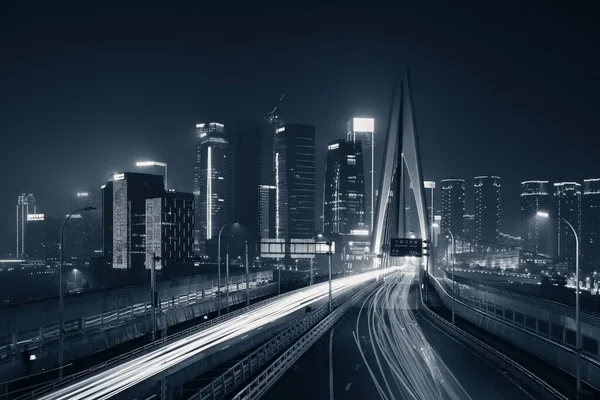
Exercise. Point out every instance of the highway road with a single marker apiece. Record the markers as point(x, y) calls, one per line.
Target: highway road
point(122, 377)
point(386, 348)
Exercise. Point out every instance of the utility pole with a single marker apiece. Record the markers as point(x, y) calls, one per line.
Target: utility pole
point(227, 279)
point(330, 296)
point(247, 277)
point(153, 296)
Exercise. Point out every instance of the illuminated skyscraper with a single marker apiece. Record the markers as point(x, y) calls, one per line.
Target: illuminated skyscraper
point(487, 208)
point(295, 181)
point(430, 199)
point(25, 205)
point(535, 232)
point(567, 196)
point(363, 130)
point(83, 235)
point(469, 226)
point(590, 225)
point(344, 194)
point(211, 183)
point(453, 206)
point(35, 244)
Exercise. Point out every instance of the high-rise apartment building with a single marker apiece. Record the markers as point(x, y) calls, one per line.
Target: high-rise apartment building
point(295, 181)
point(487, 208)
point(453, 206)
point(26, 205)
point(469, 226)
point(267, 211)
point(212, 184)
point(567, 196)
point(430, 199)
point(535, 232)
point(590, 225)
point(363, 130)
point(344, 194)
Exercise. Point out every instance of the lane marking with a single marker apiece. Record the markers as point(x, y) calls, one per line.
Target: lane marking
point(357, 367)
point(331, 364)
point(244, 337)
point(225, 347)
point(348, 386)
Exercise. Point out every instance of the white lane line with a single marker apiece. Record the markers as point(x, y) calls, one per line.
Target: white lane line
point(244, 337)
point(357, 367)
point(225, 347)
point(331, 364)
point(348, 386)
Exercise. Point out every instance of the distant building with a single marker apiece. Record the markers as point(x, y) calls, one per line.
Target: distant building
point(169, 229)
point(437, 223)
point(469, 226)
point(535, 232)
point(83, 234)
point(567, 196)
point(590, 225)
point(267, 211)
point(212, 184)
point(344, 194)
point(124, 217)
point(363, 130)
point(295, 181)
point(430, 199)
point(26, 205)
point(35, 245)
point(453, 206)
point(487, 208)
point(509, 240)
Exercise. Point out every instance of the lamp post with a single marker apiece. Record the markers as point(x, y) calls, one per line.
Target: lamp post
point(154, 164)
point(75, 271)
point(330, 295)
point(453, 257)
point(544, 214)
point(61, 300)
point(219, 268)
point(312, 260)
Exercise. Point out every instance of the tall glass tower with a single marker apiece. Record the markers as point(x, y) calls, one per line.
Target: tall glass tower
point(487, 208)
point(25, 205)
point(363, 130)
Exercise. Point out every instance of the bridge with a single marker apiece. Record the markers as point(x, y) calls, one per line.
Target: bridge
point(407, 328)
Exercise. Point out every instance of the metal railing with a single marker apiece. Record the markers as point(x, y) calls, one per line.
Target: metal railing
point(266, 379)
point(518, 368)
point(254, 362)
point(59, 383)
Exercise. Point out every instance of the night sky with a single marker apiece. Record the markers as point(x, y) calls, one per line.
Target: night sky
point(510, 90)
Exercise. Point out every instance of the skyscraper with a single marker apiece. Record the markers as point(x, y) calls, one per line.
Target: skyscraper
point(35, 240)
point(211, 183)
point(84, 232)
point(453, 206)
point(344, 194)
point(469, 226)
point(25, 205)
point(567, 197)
point(590, 225)
point(295, 181)
point(363, 130)
point(267, 211)
point(430, 199)
point(487, 208)
point(535, 231)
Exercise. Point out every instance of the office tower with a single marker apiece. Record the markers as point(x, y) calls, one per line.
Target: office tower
point(211, 183)
point(124, 217)
point(295, 181)
point(535, 232)
point(363, 130)
point(469, 226)
point(344, 194)
point(567, 196)
point(244, 201)
point(437, 224)
point(25, 205)
point(487, 208)
point(453, 206)
point(267, 211)
point(84, 232)
point(35, 239)
point(590, 225)
point(169, 229)
point(430, 199)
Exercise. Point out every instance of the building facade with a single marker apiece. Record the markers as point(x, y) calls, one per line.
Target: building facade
point(35, 239)
point(535, 232)
point(295, 181)
point(487, 208)
point(469, 226)
point(453, 206)
point(344, 192)
point(267, 211)
point(567, 197)
point(84, 231)
point(26, 205)
point(363, 130)
point(590, 225)
point(211, 183)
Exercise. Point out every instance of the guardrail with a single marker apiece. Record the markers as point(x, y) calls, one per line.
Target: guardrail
point(518, 368)
point(59, 383)
point(251, 364)
point(262, 383)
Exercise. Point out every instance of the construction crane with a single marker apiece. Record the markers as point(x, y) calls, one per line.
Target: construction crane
point(272, 117)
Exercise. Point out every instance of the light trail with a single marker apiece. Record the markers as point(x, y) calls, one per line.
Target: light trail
point(400, 348)
point(122, 377)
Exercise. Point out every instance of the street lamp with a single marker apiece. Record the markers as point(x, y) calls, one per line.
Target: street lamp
point(453, 257)
point(61, 306)
point(219, 270)
point(75, 276)
point(543, 214)
point(153, 164)
point(312, 260)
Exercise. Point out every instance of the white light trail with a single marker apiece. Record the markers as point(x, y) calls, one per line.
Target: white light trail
point(121, 377)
